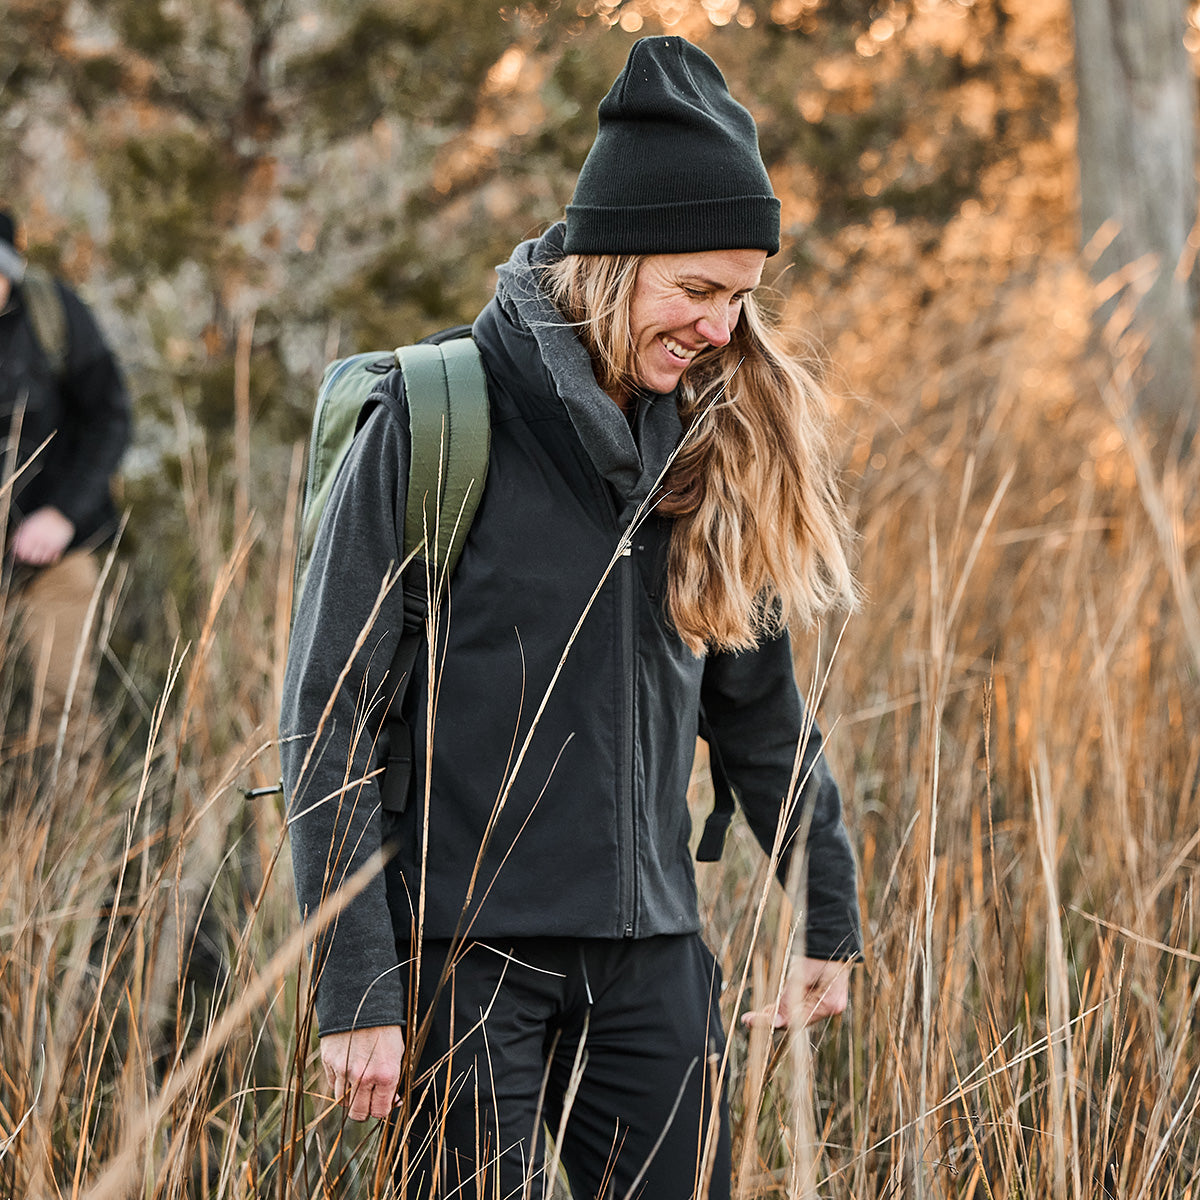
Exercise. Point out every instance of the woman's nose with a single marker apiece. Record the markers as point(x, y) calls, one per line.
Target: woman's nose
point(716, 326)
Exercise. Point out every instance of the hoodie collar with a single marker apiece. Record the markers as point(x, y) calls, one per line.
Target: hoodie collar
point(631, 465)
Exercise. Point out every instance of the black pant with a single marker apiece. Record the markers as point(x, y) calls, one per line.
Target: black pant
point(625, 1036)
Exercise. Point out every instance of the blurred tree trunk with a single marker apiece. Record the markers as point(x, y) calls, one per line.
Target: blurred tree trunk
point(1138, 187)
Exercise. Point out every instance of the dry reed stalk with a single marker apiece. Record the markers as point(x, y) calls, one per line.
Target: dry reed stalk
point(1051, 1031)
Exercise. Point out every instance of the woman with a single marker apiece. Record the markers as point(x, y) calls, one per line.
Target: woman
point(658, 469)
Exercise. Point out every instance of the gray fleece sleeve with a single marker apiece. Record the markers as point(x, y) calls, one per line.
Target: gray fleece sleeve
point(327, 745)
point(758, 719)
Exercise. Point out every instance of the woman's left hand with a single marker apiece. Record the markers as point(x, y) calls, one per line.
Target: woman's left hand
point(814, 989)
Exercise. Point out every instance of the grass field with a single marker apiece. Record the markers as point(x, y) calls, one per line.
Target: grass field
point(1013, 717)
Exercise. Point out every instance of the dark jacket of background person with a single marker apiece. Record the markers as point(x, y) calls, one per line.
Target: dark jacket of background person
point(86, 409)
point(593, 837)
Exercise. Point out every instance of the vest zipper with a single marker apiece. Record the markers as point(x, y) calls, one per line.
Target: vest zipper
point(628, 790)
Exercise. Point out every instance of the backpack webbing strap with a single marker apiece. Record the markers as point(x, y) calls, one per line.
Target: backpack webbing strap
point(447, 406)
point(48, 317)
point(450, 435)
point(397, 779)
point(712, 840)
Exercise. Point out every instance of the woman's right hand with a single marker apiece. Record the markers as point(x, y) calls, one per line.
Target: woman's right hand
point(363, 1068)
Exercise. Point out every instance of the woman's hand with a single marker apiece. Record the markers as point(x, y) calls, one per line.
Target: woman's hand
point(814, 989)
point(42, 537)
point(363, 1068)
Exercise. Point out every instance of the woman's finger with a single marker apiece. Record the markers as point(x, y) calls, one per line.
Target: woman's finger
point(381, 1103)
point(361, 1102)
point(764, 1016)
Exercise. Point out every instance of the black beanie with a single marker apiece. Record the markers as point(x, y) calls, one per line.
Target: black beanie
point(675, 166)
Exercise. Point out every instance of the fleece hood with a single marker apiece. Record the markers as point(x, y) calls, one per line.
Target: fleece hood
point(631, 457)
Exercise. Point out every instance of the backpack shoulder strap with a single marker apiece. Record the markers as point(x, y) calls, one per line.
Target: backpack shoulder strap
point(450, 430)
point(48, 316)
point(450, 434)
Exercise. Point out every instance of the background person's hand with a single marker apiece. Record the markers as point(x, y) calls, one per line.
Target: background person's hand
point(41, 537)
point(814, 989)
point(363, 1068)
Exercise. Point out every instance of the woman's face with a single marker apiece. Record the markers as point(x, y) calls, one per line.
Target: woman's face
point(684, 303)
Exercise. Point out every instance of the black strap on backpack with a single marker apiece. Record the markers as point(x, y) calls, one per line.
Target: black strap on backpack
point(712, 839)
point(397, 779)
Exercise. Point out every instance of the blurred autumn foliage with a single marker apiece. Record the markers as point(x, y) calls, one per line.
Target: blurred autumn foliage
point(348, 173)
point(345, 175)
point(248, 188)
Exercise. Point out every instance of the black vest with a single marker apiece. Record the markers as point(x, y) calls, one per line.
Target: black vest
point(591, 836)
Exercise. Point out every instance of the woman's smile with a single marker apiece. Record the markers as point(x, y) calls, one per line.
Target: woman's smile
point(678, 351)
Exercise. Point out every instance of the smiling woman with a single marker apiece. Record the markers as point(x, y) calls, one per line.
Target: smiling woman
point(659, 503)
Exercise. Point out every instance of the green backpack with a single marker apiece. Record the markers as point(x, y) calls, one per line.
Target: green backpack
point(450, 433)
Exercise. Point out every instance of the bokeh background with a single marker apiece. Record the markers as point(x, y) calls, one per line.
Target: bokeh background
point(246, 189)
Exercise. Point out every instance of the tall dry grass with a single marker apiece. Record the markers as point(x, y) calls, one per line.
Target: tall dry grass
point(1013, 718)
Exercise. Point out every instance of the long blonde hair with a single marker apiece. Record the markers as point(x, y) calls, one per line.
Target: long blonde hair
point(760, 537)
